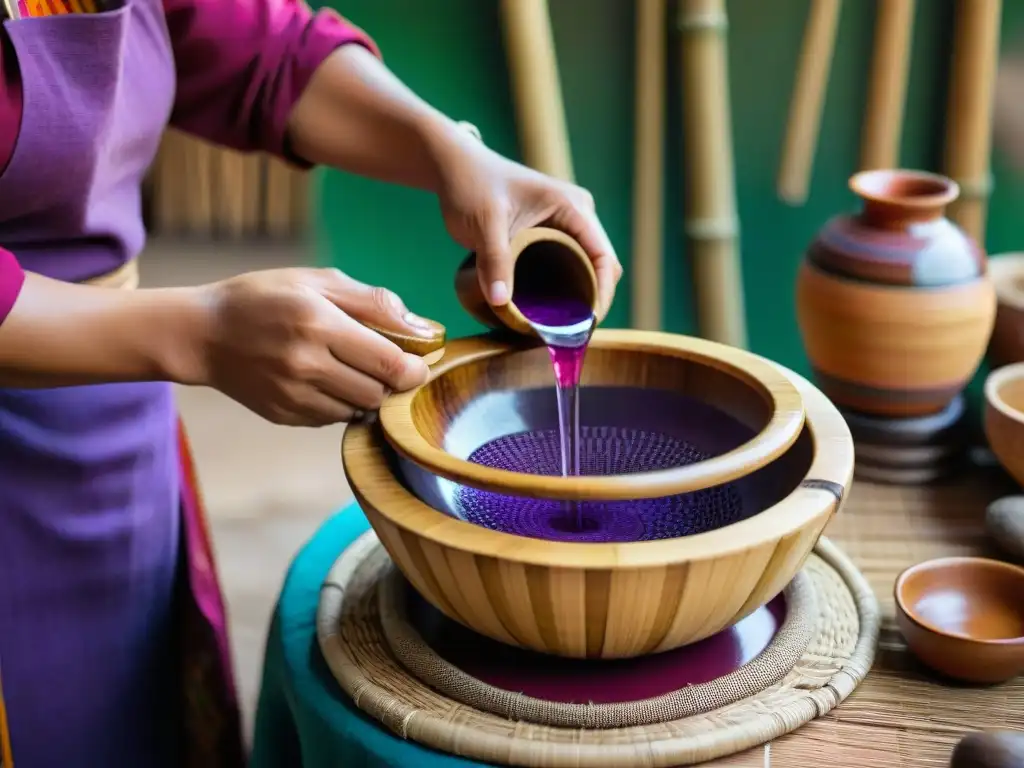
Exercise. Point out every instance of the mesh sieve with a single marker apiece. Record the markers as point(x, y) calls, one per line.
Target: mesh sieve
point(603, 451)
point(623, 430)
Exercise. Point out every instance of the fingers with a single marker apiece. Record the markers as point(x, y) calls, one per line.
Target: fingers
point(581, 222)
point(372, 304)
point(376, 357)
point(494, 262)
point(314, 409)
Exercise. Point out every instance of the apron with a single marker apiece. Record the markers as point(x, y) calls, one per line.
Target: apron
point(113, 643)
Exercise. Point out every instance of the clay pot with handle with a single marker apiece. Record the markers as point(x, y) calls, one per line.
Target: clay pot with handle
point(894, 303)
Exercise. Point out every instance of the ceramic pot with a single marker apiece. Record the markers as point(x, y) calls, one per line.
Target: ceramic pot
point(894, 303)
point(1007, 343)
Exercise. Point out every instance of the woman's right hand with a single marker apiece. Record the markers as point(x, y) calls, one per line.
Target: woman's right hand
point(290, 345)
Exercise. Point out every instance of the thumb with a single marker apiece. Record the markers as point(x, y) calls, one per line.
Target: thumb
point(373, 305)
point(494, 262)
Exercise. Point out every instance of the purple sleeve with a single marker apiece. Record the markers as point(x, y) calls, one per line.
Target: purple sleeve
point(242, 65)
point(12, 277)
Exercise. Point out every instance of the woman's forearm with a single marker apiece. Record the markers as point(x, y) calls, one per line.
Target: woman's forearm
point(357, 116)
point(61, 334)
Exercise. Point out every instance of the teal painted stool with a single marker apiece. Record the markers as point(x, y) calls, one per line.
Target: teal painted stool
point(304, 719)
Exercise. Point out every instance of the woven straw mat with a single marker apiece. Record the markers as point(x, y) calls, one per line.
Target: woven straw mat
point(834, 662)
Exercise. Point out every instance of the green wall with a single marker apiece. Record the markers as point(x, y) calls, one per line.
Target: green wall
point(450, 51)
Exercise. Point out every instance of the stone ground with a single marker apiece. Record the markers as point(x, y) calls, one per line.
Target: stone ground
point(267, 488)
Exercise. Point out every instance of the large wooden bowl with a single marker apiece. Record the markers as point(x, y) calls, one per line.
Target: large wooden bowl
point(440, 424)
point(1004, 417)
point(605, 600)
point(889, 349)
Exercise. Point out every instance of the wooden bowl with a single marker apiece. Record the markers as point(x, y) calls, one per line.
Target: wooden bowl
point(1007, 343)
point(964, 617)
point(439, 424)
point(1004, 417)
point(546, 261)
point(605, 600)
point(893, 350)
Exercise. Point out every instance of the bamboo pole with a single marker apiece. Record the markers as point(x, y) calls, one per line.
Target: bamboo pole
point(890, 67)
point(808, 99)
point(199, 211)
point(537, 92)
point(711, 220)
point(301, 182)
point(969, 119)
point(649, 166)
point(278, 221)
point(169, 190)
point(230, 203)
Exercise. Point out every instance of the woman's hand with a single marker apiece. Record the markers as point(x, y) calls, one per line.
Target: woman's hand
point(290, 345)
point(357, 116)
point(486, 199)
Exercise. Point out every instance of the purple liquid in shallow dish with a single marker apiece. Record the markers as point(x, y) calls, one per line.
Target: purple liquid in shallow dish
point(596, 681)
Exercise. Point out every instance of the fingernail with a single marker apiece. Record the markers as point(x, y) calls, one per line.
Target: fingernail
point(499, 293)
point(423, 326)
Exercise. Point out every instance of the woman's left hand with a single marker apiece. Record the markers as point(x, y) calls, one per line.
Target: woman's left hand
point(486, 199)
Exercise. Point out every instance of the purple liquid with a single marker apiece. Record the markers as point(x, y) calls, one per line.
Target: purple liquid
point(565, 324)
point(607, 450)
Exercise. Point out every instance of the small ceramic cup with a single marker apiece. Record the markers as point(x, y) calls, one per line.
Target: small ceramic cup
point(964, 617)
point(547, 261)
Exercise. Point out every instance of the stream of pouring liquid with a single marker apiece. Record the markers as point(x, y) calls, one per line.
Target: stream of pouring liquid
point(565, 326)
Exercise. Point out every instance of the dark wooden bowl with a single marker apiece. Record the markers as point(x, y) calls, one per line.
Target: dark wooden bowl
point(1004, 417)
point(964, 617)
point(613, 599)
point(1007, 343)
point(438, 425)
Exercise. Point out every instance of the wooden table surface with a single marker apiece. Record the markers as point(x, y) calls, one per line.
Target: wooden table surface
point(901, 716)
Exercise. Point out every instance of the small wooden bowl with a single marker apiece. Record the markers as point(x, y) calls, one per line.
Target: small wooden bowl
point(964, 617)
point(545, 259)
point(603, 600)
point(1004, 417)
point(439, 424)
point(1007, 343)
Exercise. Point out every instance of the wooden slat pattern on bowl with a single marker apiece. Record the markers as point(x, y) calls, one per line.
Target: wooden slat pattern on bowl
point(603, 600)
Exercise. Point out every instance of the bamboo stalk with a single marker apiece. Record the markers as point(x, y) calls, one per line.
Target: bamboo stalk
point(302, 202)
point(537, 92)
point(711, 220)
point(808, 99)
point(649, 166)
point(969, 118)
point(278, 220)
point(199, 212)
point(230, 203)
point(890, 67)
point(251, 193)
point(169, 188)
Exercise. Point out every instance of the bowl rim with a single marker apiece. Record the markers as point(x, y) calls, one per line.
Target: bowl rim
point(949, 190)
point(819, 494)
point(778, 435)
point(943, 563)
point(995, 380)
